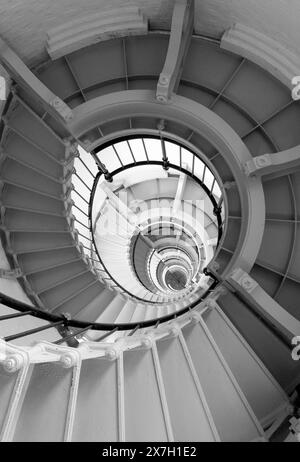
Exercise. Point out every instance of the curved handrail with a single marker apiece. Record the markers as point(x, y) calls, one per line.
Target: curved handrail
point(67, 322)
point(111, 328)
point(217, 209)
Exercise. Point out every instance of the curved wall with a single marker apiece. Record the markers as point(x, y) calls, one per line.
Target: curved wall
point(24, 24)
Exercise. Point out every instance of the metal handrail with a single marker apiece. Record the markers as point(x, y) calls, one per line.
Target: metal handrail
point(55, 320)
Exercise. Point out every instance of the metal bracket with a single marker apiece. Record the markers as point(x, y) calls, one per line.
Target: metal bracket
point(279, 163)
point(10, 274)
point(263, 304)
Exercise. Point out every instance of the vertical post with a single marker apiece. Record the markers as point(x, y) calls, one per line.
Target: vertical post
point(121, 397)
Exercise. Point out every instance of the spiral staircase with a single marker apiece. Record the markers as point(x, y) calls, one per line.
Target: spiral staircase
point(125, 314)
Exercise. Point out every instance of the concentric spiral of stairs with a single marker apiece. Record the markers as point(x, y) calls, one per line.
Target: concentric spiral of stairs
point(98, 342)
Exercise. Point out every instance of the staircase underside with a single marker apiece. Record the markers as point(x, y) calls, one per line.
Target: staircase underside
point(230, 111)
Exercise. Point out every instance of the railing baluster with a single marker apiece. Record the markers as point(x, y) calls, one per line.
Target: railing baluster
point(78, 194)
point(145, 149)
point(204, 171)
point(34, 331)
point(180, 157)
point(80, 210)
point(83, 182)
point(82, 224)
point(87, 248)
point(131, 151)
point(133, 331)
point(213, 185)
point(117, 154)
point(86, 166)
point(107, 334)
point(15, 315)
point(87, 238)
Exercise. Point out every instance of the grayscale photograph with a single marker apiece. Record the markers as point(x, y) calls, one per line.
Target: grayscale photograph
point(150, 224)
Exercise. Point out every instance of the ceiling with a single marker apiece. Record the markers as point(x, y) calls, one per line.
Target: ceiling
point(24, 23)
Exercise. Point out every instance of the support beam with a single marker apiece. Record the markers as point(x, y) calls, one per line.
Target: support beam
point(25, 78)
point(279, 163)
point(181, 34)
point(250, 290)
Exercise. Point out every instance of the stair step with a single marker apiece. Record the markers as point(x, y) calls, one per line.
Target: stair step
point(33, 167)
point(93, 310)
point(73, 295)
point(27, 220)
point(41, 280)
point(27, 122)
point(112, 310)
point(23, 209)
point(139, 313)
point(80, 299)
point(22, 149)
point(126, 313)
point(13, 172)
point(62, 281)
point(23, 186)
point(31, 263)
point(53, 297)
point(18, 197)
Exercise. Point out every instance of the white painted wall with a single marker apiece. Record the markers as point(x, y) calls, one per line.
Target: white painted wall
point(24, 23)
